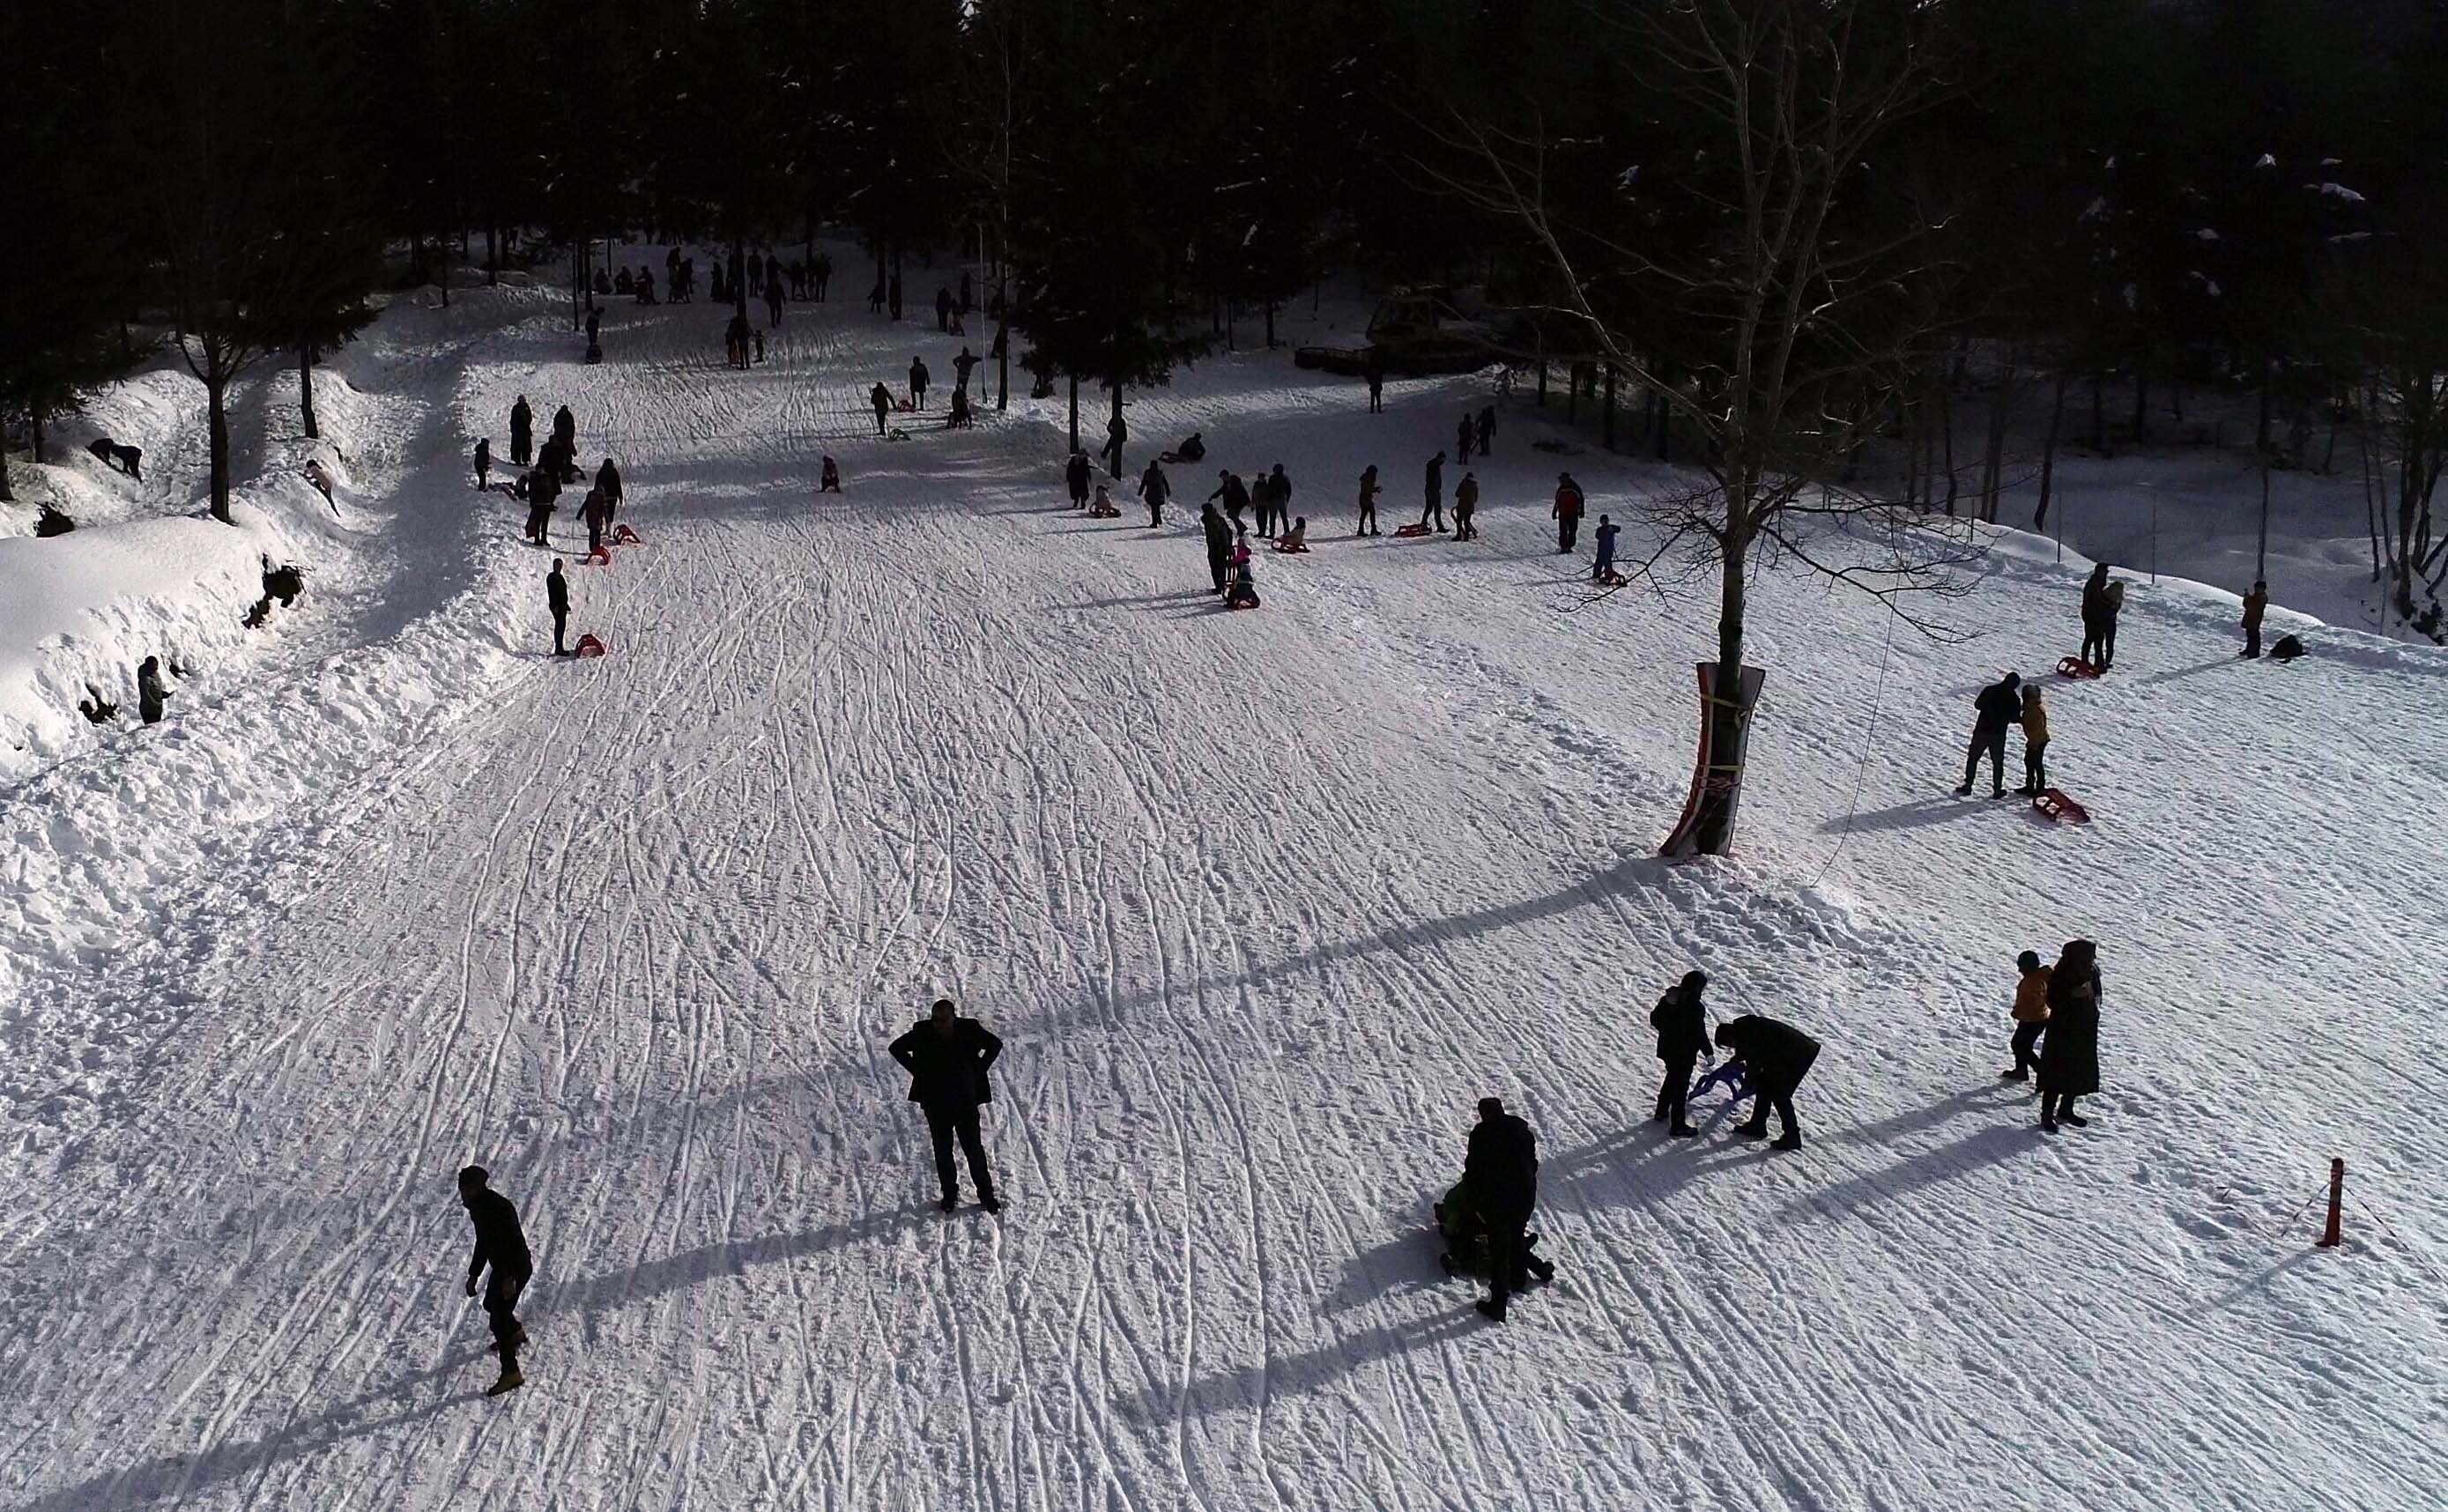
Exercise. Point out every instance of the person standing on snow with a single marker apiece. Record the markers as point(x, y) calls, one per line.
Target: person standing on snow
point(1433, 486)
point(1681, 1020)
point(1467, 507)
point(822, 272)
point(2031, 1015)
point(1603, 568)
point(2255, 604)
point(1235, 494)
point(608, 482)
point(1486, 429)
point(2069, 1044)
point(503, 1245)
point(948, 1058)
point(1775, 1055)
point(1116, 433)
point(881, 397)
point(150, 695)
point(961, 367)
point(1279, 501)
point(596, 517)
point(1567, 512)
point(2094, 617)
point(917, 383)
point(1368, 492)
point(1075, 479)
point(483, 462)
point(521, 434)
point(2035, 743)
point(1155, 488)
point(565, 429)
point(1373, 368)
point(1997, 706)
point(1262, 499)
point(556, 598)
point(1462, 439)
point(943, 309)
point(1219, 542)
point(1500, 1174)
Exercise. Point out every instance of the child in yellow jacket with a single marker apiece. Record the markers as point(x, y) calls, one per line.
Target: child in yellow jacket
point(2035, 743)
point(2031, 1015)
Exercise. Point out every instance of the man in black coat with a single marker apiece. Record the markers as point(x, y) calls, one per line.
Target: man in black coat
point(1434, 483)
point(1155, 488)
point(565, 429)
point(947, 1057)
point(1996, 708)
point(502, 1244)
point(1219, 542)
point(608, 482)
point(556, 598)
point(917, 383)
point(943, 308)
point(1500, 1173)
point(1775, 1057)
point(1682, 1025)
point(1075, 479)
point(881, 397)
point(521, 434)
point(1235, 494)
point(2069, 1044)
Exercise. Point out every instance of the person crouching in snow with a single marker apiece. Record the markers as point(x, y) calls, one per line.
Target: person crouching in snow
point(2031, 1015)
point(830, 480)
point(1295, 539)
point(1776, 1056)
point(2035, 743)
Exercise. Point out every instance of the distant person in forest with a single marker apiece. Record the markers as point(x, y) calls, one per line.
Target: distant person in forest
point(521, 434)
point(1681, 1020)
point(1994, 710)
point(2035, 743)
point(1218, 533)
point(150, 695)
point(948, 1058)
point(892, 295)
point(1486, 429)
point(917, 383)
point(881, 397)
point(1463, 435)
point(594, 325)
point(2031, 1015)
point(1602, 569)
point(875, 296)
point(1155, 488)
point(968, 293)
point(501, 1244)
point(483, 462)
point(1500, 1178)
point(556, 599)
point(1368, 492)
point(1373, 368)
point(1075, 479)
point(943, 308)
point(1775, 1055)
point(2255, 604)
point(2070, 1045)
point(1467, 507)
point(1567, 512)
point(822, 273)
point(1433, 486)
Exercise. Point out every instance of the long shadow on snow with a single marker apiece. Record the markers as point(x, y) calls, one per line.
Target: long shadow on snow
point(1913, 813)
point(689, 1268)
point(1242, 1387)
point(175, 1477)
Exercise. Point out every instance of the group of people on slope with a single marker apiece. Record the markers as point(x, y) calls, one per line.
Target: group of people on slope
point(2057, 1030)
point(1996, 709)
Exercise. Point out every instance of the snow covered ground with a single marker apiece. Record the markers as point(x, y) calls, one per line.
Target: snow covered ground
point(1261, 904)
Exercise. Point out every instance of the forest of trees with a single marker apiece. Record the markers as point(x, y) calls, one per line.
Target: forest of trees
point(1792, 231)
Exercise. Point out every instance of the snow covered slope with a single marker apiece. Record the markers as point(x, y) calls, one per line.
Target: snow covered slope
point(1261, 904)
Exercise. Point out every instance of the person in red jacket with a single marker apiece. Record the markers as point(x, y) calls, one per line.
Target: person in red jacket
point(1567, 511)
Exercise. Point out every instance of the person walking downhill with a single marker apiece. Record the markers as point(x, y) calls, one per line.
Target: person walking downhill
point(501, 1244)
point(2031, 1015)
point(1500, 1176)
point(2035, 743)
point(1467, 507)
point(1994, 709)
point(2255, 604)
point(948, 1058)
point(607, 480)
point(1155, 488)
point(556, 598)
point(1682, 1025)
point(1434, 484)
point(1567, 512)
point(1075, 479)
point(2070, 1043)
point(1368, 492)
point(881, 397)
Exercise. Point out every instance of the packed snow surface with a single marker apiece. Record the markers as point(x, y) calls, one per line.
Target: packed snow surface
point(1261, 904)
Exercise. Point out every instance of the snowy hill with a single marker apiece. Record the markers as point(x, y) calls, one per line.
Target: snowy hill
point(1261, 904)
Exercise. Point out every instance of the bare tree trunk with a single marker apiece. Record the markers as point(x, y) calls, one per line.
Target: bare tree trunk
point(42, 433)
point(7, 495)
point(1993, 461)
point(1606, 427)
point(2049, 451)
point(1114, 465)
point(217, 414)
point(1946, 438)
point(306, 390)
point(2098, 413)
point(1075, 412)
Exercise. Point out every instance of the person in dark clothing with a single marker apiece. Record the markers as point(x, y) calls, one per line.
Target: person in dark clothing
point(829, 481)
point(1219, 542)
point(608, 482)
point(918, 383)
point(1467, 507)
point(1434, 486)
point(1486, 429)
point(1279, 502)
point(892, 295)
point(556, 598)
point(1192, 450)
point(1368, 492)
point(597, 518)
point(1262, 499)
point(1235, 494)
point(521, 434)
point(959, 417)
point(483, 462)
point(943, 309)
point(1603, 568)
point(565, 429)
point(543, 489)
point(1500, 1173)
point(1775, 1055)
point(1567, 512)
point(1116, 434)
point(2070, 1042)
point(948, 1058)
point(881, 397)
point(875, 296)
point(503, 1245)
point(150, 695)
point(822, 271)
point(2094, 617)
point(594, 325)
point(1997, 706)
point(2255, 604)
point(1463, 433)
point(1373, 367)
point(968, 293)
point(1681, 1020)
point(1155, 488)
point(963, 366)
point(1075, 479)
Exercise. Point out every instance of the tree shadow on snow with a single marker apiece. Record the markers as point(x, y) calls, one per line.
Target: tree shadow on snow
point(173, 1478)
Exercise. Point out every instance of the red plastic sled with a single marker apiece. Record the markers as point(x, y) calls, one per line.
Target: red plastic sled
point(2052, 802)
point(1410, 529)
point(623, 536)
point(2076, 667)
point(587, 647)
point(601, 556)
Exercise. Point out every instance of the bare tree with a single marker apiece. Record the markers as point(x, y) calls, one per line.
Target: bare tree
point(1778, 313)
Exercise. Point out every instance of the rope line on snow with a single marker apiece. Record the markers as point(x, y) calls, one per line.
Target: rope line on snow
point(1869, 739)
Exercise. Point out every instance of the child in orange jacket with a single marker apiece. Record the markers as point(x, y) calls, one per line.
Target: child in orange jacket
point(2031, 1015)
